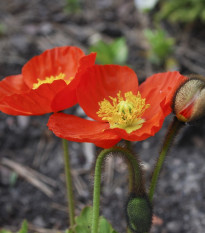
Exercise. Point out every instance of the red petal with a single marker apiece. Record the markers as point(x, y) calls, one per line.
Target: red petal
point(80, 130)
point(33, 102)
point(99, 82)
point(159, 87)
point(51, 63)
point(12, 84)
point(67, 97)
point(10, 110)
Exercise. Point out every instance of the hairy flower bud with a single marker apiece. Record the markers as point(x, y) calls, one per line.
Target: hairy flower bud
point(139, 214)
point(189, 100)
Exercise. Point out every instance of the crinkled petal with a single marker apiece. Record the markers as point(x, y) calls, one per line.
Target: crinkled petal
point(100, 82)
point(33, 102)
point(67, 97)
point(160, 87)
point(11, 85)
point(76, 129)
point(51, 63)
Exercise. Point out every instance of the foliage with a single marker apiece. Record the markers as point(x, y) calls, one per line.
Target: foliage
point(72, 6)
point(13, 178)
point(161, 46)
point(2, 29)
point(24, 228)
point(115, 52)
point(182, 11)
point(83, 223)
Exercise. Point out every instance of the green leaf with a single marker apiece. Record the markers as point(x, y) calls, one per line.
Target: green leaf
point(85, 218)
point(119, 51)
point(84, 222)
point(181, 11)
point(5, 231)
point(111, 53)
point(13, 178)
point(161, 46)
point(24, 227)
point(105, 227)
point(104, 53)
point(72, 6)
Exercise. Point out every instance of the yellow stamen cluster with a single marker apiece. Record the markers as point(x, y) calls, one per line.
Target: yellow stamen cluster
point(51, 79)
point(124, 113)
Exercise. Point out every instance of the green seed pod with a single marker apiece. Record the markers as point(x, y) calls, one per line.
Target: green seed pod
point(139, 214)
point(189, 101)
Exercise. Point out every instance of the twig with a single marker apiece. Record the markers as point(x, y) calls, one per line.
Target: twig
point(30, 175)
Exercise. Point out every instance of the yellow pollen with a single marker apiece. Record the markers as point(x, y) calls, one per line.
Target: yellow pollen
point(124, 113)
point(51, 79)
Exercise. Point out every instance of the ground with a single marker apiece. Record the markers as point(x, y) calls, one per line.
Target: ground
point(29, 152)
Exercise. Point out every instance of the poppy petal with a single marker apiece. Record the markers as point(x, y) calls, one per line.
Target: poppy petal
point(101, 82)
point(67, 97)
point(33, 102)
point(11, 85)
point(158, 87)
point(52, 62)
point(76, 129)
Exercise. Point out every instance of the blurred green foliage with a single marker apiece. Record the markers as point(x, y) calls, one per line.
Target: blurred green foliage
point(2, 29)
point(72, 6)
point(115, 52)
point(13, 179)
point(161, 46)
point(24, 228)
point(183, 11)
point(83, 223)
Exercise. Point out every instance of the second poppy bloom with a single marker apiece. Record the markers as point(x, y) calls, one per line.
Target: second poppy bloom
point(47, 84)
point(120, 108)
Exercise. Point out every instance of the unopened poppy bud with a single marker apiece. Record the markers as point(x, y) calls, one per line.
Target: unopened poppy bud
point(189, 100)
point(139, 214)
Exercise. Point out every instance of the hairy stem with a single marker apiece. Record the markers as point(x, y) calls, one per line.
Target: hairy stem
point(173, 129)
point(136, 184)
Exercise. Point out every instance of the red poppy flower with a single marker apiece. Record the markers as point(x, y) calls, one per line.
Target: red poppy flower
point(120, 108)
point(47, 84)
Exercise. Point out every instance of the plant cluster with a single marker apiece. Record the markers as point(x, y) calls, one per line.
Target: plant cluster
point(120, 109)
point(180, 11)
point(161, 46)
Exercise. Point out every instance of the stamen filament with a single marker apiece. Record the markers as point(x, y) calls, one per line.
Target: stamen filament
point(124, 113)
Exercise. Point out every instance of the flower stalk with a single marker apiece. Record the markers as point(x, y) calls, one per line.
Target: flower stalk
point(69, 186)
point(173, 129)
point(136, 183)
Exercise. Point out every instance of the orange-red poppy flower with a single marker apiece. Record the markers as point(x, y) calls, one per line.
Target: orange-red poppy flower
point(120, 108)
point(47, 84)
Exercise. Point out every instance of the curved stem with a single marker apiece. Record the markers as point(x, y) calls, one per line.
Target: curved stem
point(68, 176)
point(135, 179)
point(174, 128)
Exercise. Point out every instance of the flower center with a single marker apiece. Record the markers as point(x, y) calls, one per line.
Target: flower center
point(51, 79)
point(124, 113)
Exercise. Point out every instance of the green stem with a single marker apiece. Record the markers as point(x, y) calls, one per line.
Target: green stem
point(135, 179)
point(172, 131)
point(68, 176)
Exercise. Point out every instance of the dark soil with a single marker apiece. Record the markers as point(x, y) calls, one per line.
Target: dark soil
point(30, 27)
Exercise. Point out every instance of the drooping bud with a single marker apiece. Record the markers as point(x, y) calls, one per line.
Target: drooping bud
point(139, 214)
point(189, 100)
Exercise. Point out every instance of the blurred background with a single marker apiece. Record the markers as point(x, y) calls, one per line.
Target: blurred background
point(149, 36)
